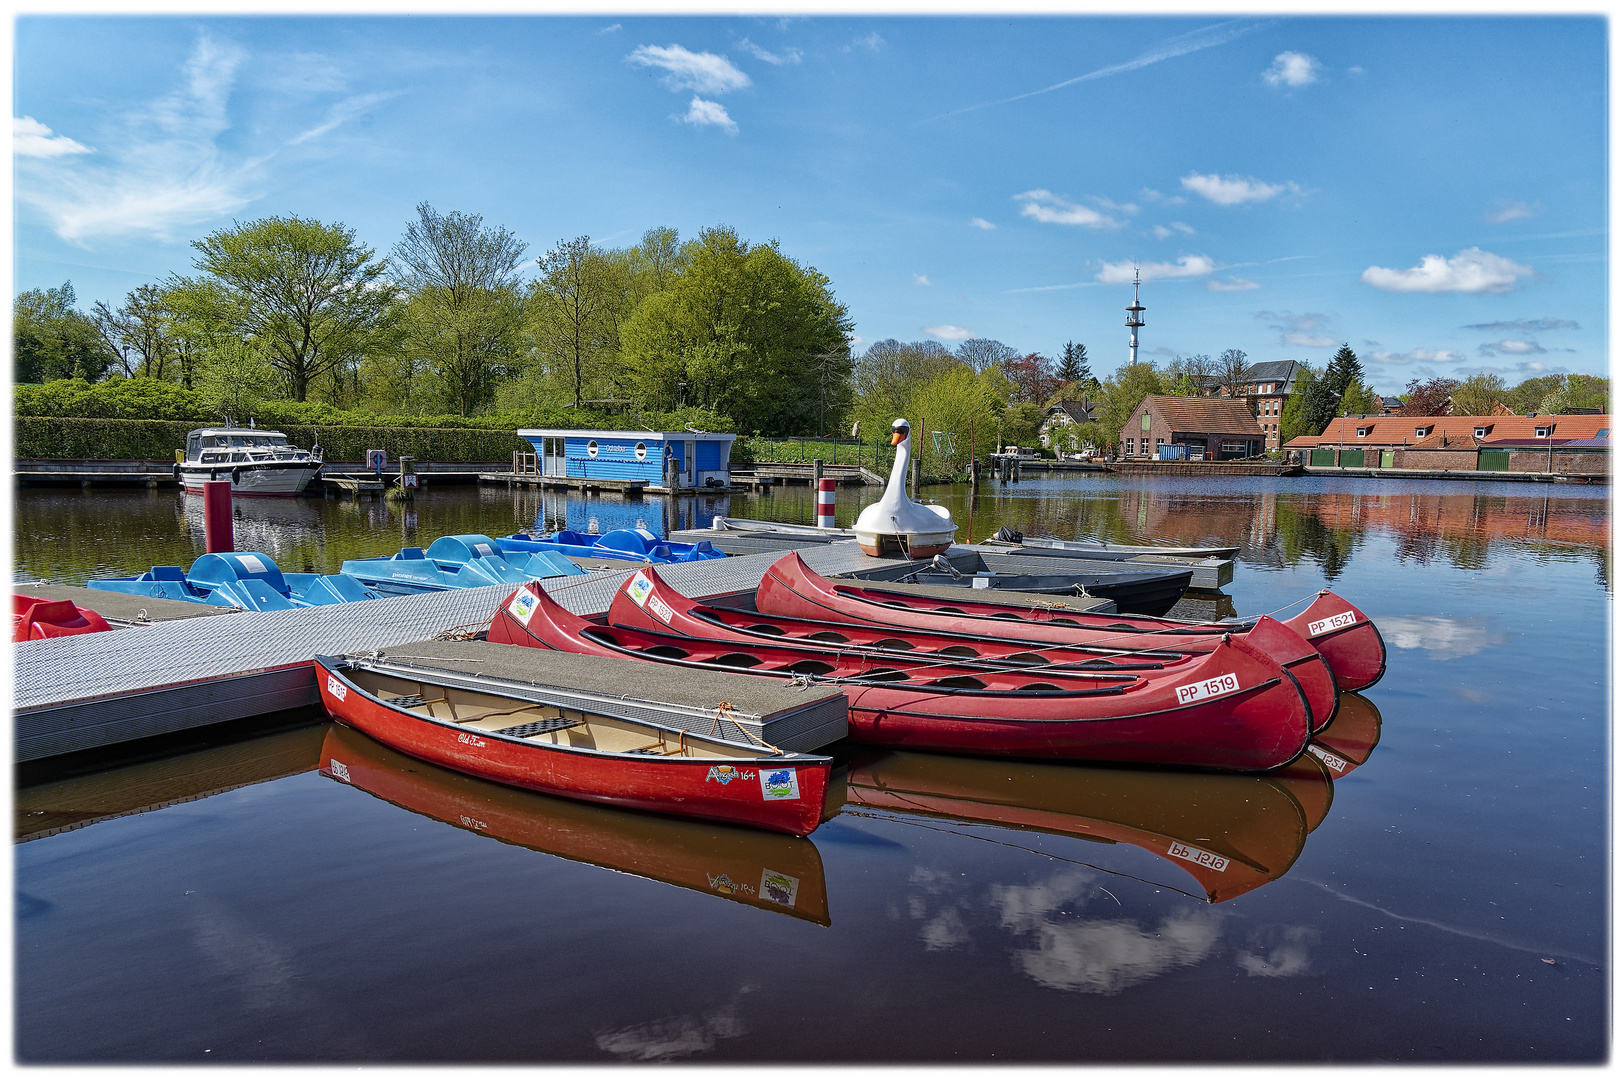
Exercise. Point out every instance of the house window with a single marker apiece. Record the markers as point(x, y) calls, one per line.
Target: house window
point(591, 448)
point(1158, 444)
point(1479, 432)
point(642, 451)
point(1421, 432)
point(1541, 433)
point(1365, 431)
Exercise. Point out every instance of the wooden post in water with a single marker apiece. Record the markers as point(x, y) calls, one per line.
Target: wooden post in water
point(217, 530)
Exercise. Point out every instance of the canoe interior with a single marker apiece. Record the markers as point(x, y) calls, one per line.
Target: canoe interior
point(541, 723)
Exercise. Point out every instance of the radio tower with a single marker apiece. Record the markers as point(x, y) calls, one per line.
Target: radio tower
point(1135, 319)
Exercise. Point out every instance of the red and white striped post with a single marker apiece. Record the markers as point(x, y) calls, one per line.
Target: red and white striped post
point(825, 503)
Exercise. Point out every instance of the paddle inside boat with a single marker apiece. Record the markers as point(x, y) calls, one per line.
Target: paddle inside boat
point(1234, 709)
point(790, 587)
point(596, 756)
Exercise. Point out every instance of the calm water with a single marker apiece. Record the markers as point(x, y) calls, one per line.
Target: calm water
point(1443, 899)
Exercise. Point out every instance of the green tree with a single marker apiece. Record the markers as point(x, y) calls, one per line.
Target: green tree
point(139, 333)
point(53, 339)
point(463, 316)
point(1428, 398)
point(1073, 364)
point(885, 377)
point(1479, 395)
point(1575, 391)
point(953, 400)
point(1122, 394)
point(1188, 376)
point(1293, 418)
point(1232, 372)
point(233, 378)
point(575, 312)
point(308, 296)
point(1359, 400)
point(1345, 370)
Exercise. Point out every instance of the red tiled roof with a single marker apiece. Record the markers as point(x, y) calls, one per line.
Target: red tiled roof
point(1400, 430)
point(1217, 416)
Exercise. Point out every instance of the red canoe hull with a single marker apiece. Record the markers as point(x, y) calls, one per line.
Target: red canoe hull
point(1346, 638)
point(686, 787)
point(1234, 709)
point(791, 588)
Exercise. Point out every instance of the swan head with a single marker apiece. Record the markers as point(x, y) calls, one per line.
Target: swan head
point(899, 431)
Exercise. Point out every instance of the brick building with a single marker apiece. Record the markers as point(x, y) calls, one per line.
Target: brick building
point(1265, 389)
point(1212, 428)
point(1498, 443)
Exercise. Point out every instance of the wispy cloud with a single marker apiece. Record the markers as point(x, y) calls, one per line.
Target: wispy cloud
point(981, 223)
point(872, 42)
point(1119, 273)
point(32, 139)
point(789, 55)
point(1526, 326)
point(1511, 347)
point(610, 29)
point(1163, 232)
point(701, 72)
point(1233, 284)
point(1043, 205)
point(1470, 271)
point(160, 168)
point(1292, 69)
point(1417, 356)
point(347, 109)
point(1234, 190)
point(702, 113)
point(1505, 210)
point(948, 332)
point(1301, 330)
point(1182, 45)
point(920, 279)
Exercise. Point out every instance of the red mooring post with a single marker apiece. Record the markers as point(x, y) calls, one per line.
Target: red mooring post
point(217, 533)
point(825, 503)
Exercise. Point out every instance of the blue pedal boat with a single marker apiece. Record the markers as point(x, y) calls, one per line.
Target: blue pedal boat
point(633, 545)
point(249, 580)
point(457, 562)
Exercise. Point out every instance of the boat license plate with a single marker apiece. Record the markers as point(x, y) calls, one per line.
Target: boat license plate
point(1331, 762)
point(336, 688)
point(1198, 856)
point(1199, 691)
point(1334, 622)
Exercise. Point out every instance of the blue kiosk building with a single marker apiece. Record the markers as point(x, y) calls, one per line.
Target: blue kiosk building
point(633, 457)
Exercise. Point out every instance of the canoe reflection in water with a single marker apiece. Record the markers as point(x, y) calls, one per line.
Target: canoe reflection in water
point(751, 866)
point(1230, 832)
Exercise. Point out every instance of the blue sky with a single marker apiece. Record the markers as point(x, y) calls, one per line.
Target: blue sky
point(1431, 190)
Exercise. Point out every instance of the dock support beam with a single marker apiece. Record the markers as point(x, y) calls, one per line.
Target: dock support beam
point(217, 529)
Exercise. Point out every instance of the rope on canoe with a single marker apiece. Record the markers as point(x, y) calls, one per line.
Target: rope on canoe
point(725, 710)
point(465, 632)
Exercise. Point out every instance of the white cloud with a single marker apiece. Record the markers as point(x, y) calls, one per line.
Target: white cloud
point(1162, 232)
point(1043, 205)
point(1417, 356)
point(610, 29)
point(1151, 195)
point(1442, 638)
point(1119, 273)
point(1507, 211)
point(1233, 284)
point(1300, 330)
point(159, 170)
point(1292, 69)
point(920, 279)
point(1470, 271)
point(1286, 951)
point(32, 139)
point(1233, 190)
point(948, 332)
point(1355, 70)
point(872, 42)
point(702, 113)
point(981, 223)
point(703, 72)
point(345, 110)
point(1307, 341)
point(1526, 325)
point(856, 341)
point(1511, 347)
point(790, 55)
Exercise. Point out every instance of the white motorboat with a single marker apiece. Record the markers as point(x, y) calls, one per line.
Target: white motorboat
point(896, 522)
point(256, 461)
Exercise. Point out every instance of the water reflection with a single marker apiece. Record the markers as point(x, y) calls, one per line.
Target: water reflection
point(750, 866)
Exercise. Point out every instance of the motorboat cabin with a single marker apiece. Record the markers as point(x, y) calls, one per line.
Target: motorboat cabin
point(256, 461)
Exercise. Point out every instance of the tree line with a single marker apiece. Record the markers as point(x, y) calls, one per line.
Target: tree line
point(285, 308)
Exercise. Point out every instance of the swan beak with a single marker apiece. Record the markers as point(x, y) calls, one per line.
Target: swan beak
point(896, 438)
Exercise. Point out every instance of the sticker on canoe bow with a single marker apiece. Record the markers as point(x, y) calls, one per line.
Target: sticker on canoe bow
point(523, 605)
point(336, 688)
point(1334, 622)
point(1198, 691)
point(726, 774)
point(726, 886)
point(779, 888)
point(779, 784)
point(339, 771)
point(1331, 762)
point(1198, 856)
point(639, 587)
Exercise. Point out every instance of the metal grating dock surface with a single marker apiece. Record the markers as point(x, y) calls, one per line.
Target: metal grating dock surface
point(91, 690)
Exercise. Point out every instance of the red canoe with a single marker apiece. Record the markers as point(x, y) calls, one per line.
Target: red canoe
point(1235, 708)
point(34, 619)
point(593, 756)
point(791, 588)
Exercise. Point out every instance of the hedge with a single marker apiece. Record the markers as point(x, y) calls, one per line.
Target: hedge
point(157, 440)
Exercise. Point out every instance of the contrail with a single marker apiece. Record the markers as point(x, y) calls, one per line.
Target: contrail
point(1193, 41)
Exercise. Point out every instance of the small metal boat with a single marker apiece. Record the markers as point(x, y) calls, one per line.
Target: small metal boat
point(1333, 633)
point(256, 461)
point(457, 562)
point(33, 618)
point(1235, 708)
point(1101, 549)
point(598, 756)
point(771, 871)
point(1146, 592)
point(634, 545)
point(243, 579)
